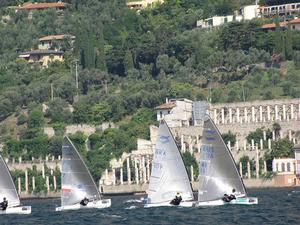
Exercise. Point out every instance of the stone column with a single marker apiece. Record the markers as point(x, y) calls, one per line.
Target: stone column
point(229, 145)
point(299, 111)
point(114, 176)
point(292, 111)
point(241, 169)
point(144, 170)
point(284, 112)
point(269, 144)
point(54, 183)
point(19, 185)
point(257, 164)
point(43, 170)
point(276, 112)
point(230, 115)
point(290, 135)
point(26, 181)
point(33, 183)
point(253, 114)
point(215, 116)
point(265, 166)
point(47, 183)
point(106, 175)
point(192, 173)
point(261, 144)
point(245, 145)
point(59, 157)
point(273, 135)
point(121, 176)
point(223, 116)
point(265, 135)
point(182, 143)
point(237, 145)
point(128, 171)
point(268, 113)
point(248, 170)
point(20, 159)
point(260, 114)
point(136, 172)
point(252, 144)
point(246, 115)
point(281, 134)
point(148, 168)
point(237, 115)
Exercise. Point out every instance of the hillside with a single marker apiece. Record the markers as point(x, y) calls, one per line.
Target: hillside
point(128, 62)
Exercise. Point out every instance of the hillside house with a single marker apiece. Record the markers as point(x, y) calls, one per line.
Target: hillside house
point(42, 57)
point(176, 112)
point(281, 10)
point(31, 7)
point(141, 4)
point(293, 24)
point(247, 12)
point(55, 42)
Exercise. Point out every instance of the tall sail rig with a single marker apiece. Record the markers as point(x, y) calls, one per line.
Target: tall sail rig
point(218, 174)
point(168, 174)
point(7, 186)
point(76, 180)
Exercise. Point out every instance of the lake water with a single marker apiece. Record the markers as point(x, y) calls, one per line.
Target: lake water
point(276, 206)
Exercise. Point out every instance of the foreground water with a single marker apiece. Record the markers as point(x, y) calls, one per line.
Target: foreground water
point(276, 206)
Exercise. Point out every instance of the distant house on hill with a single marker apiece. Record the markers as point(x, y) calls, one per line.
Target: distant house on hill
point(281, 8)
point(141, 4)
point(31, 7)
point(293, 24)
point(43, 57)
point(55, 42)
point(50, 49)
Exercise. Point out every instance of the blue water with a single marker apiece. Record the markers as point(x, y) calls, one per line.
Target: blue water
point(276, 206)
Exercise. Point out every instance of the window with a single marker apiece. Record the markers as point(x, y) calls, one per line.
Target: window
point(282, 167)
point(160, 114)
point(288, 167)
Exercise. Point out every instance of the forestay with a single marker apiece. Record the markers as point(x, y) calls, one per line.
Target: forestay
point(76, 180)
point(7, 186)
point(218, 174)
point(168, 174)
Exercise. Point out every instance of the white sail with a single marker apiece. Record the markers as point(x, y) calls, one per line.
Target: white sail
point(77, 182)
point(7, 186)
point(218, 174)
point(168, 174)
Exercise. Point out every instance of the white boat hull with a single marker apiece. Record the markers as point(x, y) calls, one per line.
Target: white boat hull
point(99, 204)
point(17, 210)
point(167, 204)
point(238, 201)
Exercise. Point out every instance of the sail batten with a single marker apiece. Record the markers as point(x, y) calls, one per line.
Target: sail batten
point(168, 173)
point(77, 182)
point(218, 174)
point(7, 186)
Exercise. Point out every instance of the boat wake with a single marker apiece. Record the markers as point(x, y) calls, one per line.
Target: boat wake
point(134, 201)
point(131, 207)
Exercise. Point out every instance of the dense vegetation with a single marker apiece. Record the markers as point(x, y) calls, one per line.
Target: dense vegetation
point(129, 62)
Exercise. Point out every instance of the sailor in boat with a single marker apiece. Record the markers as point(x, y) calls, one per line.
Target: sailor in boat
point(229, 198)
point(84, 201)
point(4, 204)
point(177, 199)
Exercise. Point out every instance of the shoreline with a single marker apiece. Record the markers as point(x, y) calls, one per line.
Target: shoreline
point(135, 189)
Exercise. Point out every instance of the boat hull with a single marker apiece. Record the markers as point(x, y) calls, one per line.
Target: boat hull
point(238, 201)
point(17, 210)
point(167, 204)
point(100, 204)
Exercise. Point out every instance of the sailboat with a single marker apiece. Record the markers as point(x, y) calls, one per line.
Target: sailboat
point(77, 182)
point(168, 173)
point(218, 174)
point(8, 191)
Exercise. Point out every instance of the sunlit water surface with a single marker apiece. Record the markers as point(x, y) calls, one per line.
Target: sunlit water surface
point(276, 206)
